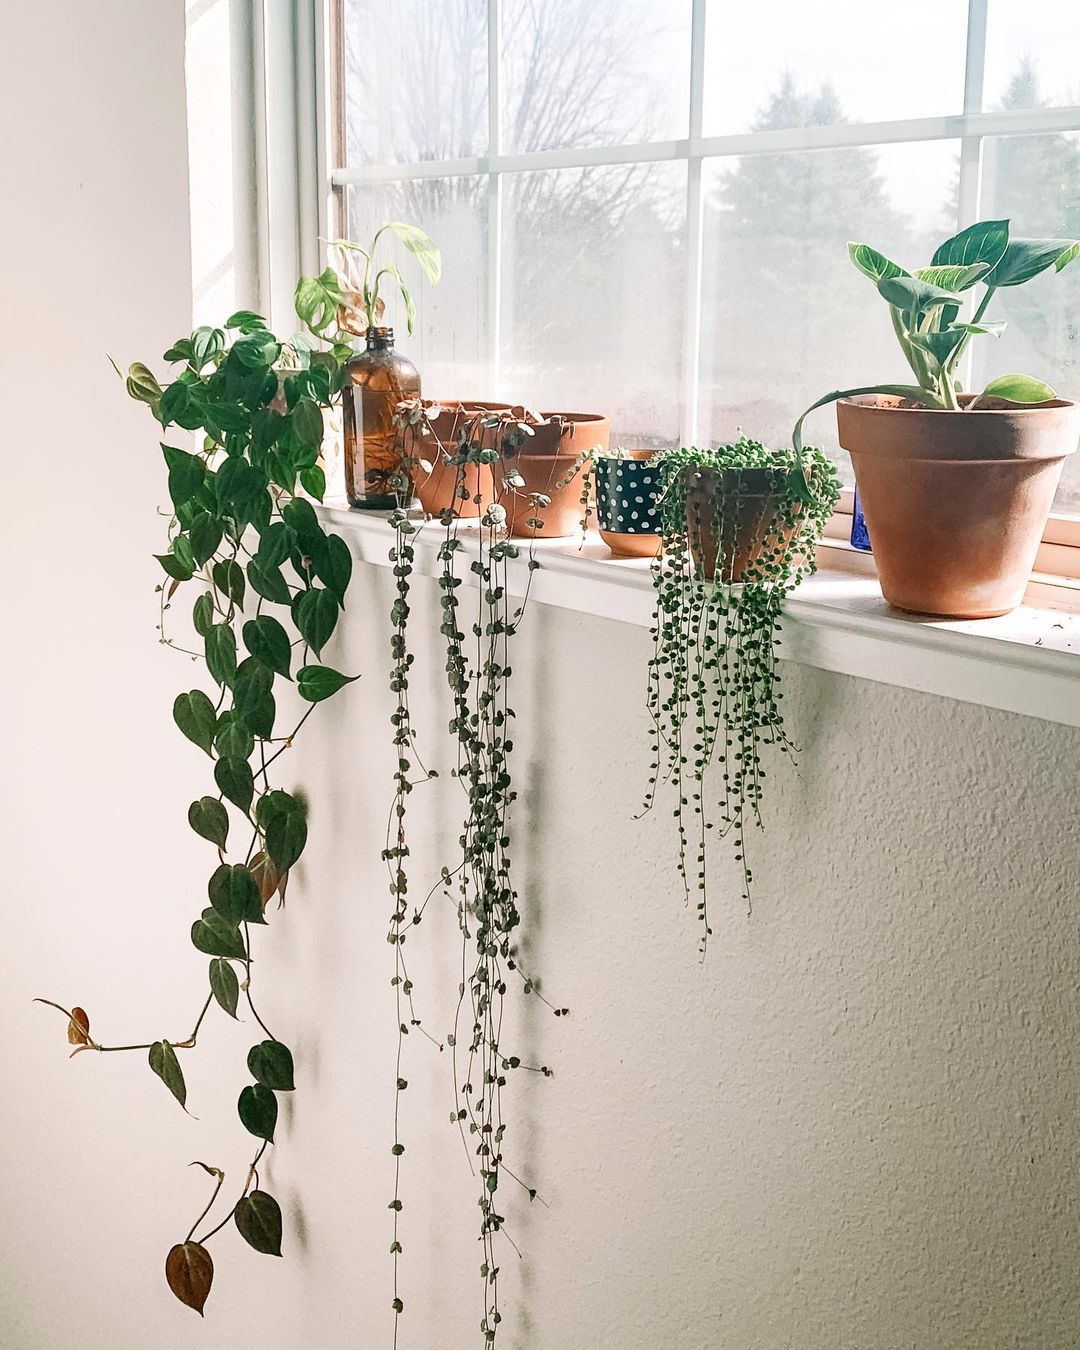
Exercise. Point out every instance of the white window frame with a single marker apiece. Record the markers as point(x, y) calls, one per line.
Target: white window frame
point(297, 47)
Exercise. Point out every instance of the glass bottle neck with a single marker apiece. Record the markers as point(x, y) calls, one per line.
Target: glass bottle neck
point(380, 339)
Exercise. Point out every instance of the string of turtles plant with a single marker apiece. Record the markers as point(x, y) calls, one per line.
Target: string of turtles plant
point(255, 552)
point(738, 532)
point(478, 669)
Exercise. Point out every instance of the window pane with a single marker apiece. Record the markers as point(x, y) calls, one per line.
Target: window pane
point(593, 295)
point(1035, 182)
point(450, 344)
point(1032, 54)
point(594, 72)
point(785, 316)
point(415, 75)
point(864, 63)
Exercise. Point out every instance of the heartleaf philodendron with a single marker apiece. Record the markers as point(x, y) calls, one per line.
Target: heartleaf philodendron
point(248, 546)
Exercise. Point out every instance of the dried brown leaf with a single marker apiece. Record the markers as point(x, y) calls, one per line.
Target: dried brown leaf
point(266, 876)
point(190, 1273)
point(78, 1028)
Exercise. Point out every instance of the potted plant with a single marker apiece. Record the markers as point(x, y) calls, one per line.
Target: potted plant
point(544, 470)
point(627, 505)
point(956, 487)
point(437, 436)
point(739, 526)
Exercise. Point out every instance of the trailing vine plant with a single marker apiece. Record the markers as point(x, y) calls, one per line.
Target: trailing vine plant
point(478, 669)
point(738, 532)
point(263, 569)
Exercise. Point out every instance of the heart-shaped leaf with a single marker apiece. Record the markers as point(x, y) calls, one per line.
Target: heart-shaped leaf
point(186, 474)
point(1026, 258)
point(220, 647)
point(229, 579)
point(202, 614)
point(268, 582)
point(421, 246)
point(266, 875)
point(953, 276)
point(233, 738)
point(306, 420)
point(1019, 389)
point(316, 683)
point(873, 264)
point(213, 935)
point(313, 481)
point(142, 385)
point(233, 777)
point(257, 1108)
point(258, 1217)
point(190, 1273)
point(194, 714)
point(164, 1063)
point(224, 984)
point(208, 818)
point(983, 242)
point(271, 1064)
point(235, 895)
point(334, 567)
point(205, 536)
point(285, 829)
point(268, 642)
point(316, 617)
point(914, 296)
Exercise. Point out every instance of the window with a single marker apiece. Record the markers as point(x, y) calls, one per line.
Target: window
point(643, 208)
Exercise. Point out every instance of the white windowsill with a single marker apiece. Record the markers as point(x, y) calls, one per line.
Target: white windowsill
point(1026, 662)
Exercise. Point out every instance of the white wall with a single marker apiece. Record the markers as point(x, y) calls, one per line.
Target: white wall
point(853, 1126)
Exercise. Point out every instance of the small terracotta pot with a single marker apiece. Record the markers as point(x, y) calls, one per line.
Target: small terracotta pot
point(548, 462)
point(956, 502)
point(626, 507)
point(438, 490)
point(733, 517)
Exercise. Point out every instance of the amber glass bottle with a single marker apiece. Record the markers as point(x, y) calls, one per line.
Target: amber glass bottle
point(377, 380)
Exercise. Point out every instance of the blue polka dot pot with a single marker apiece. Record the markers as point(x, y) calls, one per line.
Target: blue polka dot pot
point(626, 510)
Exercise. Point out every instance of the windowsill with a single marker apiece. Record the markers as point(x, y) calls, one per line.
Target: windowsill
point(1026, 662)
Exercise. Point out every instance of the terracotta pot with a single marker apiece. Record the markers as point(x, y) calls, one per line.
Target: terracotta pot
point(438, 490)
point(733, 516)
point(956, 502)
point(626, 508)
point(548, 462)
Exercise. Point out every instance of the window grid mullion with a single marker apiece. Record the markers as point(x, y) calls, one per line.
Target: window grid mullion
point(691, 343)
point(970, 185)
point(494, 201)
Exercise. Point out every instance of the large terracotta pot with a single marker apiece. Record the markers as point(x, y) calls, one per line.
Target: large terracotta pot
point(956, 502)
point(733, 518)
point(548, 461)
point(438, 490)
point(627, 513)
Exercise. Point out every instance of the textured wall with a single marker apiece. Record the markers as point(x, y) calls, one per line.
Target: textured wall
point(853, 1126)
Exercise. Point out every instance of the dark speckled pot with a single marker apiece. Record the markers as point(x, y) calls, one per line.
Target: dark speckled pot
point(626, 508)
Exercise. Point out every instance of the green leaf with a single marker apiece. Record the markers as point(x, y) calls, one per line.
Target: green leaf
point(164, 1063)
point(316, 617)
point(208, 818)
point(260, 716)
point(275, 543)
point(268, 582)
point(202, 614)
point(300, 516)
point(257, 1109)
point(220, 647)
point(178, 564)
point(245, 318)
point(228, 416)
point(224, 984)
point(180, 404)
point(234, 894)
point(233, 739)
point(205, 537)
point(284, 823)
point(206, 344)
point(194, 714)
point(313, 481)
point(940, 345)
point(421, 246)
point(306, 420)
point(268, 642)
point(229, 579)
point(983, 242)
point(233, 777)
point(186, 474)
point(271, 1063)
point(334, 566)
point(1026, 258)
point(953, 276)
point(142, 385)
point(316, 300)
point(873, 264)
point(253, 682)
point(1018, 389)
point(213, 935)
point(316, 683)
point(258, 1218)
point(914, 296)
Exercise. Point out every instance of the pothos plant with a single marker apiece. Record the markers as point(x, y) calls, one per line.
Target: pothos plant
point(926, 311)
point(269, 583)
point(478, 669)
point(738, 533)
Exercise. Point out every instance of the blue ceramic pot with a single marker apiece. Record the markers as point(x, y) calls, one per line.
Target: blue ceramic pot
point(626, 508)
